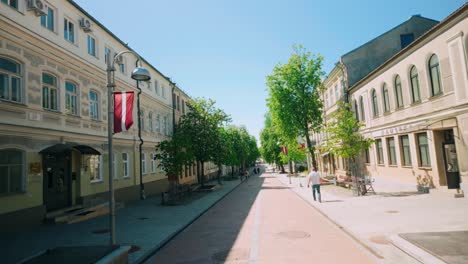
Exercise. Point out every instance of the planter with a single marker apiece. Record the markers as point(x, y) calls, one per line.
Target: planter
point(423, 189)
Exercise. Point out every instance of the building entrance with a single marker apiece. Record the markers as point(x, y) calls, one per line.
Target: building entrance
point(452, 172)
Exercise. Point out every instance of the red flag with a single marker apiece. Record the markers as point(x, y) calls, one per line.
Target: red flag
point(284, 150)
point(123, 111)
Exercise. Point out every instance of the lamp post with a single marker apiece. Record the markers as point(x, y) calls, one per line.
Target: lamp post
point(138, 74)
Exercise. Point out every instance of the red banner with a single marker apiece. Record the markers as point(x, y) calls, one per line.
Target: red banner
point(284, 150)
point(123, 111)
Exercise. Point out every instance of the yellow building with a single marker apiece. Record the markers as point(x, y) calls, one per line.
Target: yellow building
point(53, 118)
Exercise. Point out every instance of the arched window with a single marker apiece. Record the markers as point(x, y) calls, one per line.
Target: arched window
point(49, 92)
point(158, 123)
point(12, 172)
point(71, 98)
point(10, 80)
point(361, 106)
point(415, 92)
point(398, 92)
point(356, 112)
point(375, 104)
point(434, 73)
point(94, 105)
point(385, 99)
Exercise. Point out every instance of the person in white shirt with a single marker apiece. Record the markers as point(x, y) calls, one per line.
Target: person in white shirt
point(314, 178)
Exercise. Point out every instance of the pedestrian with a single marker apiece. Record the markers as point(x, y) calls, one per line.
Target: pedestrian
point(314, 178)
point(247, 174)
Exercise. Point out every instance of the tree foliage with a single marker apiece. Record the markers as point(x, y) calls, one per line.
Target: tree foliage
point(294, 96)
point(344, 140)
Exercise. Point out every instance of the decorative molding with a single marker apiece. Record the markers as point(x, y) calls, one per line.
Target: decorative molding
point(33, 59)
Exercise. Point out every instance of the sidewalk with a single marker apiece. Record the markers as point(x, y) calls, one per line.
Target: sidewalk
point(379, 220)
point(146, 224)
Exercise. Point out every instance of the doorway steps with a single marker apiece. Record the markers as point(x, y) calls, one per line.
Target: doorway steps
point(79, 213)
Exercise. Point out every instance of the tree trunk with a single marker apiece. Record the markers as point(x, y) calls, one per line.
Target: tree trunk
point(198, 172)
point(311, 149)
point(219, 174)
point(232, 172)
point(202, 173)
point(282, 168)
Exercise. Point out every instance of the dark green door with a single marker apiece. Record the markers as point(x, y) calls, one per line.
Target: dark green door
point(57, 181)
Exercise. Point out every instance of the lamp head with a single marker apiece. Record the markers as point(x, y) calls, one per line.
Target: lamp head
point(141, 74)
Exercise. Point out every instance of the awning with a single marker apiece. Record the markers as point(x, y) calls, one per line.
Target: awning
point(325, 153)
point(61, 148)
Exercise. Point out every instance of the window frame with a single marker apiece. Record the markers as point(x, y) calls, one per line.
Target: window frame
point(23, 173)
point(67, 32)
point(99, 175)
point(426, 147)
point(77, 99)
point(50, 87)
point(361, 106)
point(375, 103)
point(391, 151)
point(96, 103)
point(94, 45)
point(414, 81)
point(398, 93)
point(126, 169)
point(45, 22)
point(379, 151)
point(150, 121)
point(10, 76)
point(144, 168)
point(403, 147)
point(435, 66)
point(385, 98)
point(153, 162)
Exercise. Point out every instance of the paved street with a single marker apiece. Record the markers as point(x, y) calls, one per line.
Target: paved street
point(262, 221)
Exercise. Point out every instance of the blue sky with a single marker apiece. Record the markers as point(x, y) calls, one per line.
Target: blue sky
point(224, 49)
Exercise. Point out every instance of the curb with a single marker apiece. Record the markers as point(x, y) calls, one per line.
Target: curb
point(164, 242)
point(414, 251)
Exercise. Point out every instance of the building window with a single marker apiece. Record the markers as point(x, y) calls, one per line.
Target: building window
point(153, 162)
point(406, 152)
point(71, 98)
point(114, 167)
point(183, 107)
point(375, 105)
point(386, 101)
point(69, 30)
point(48, 20)
point(10, 80)
point(143, 163)
point(434, 73)
point(158, 123)
point(142, 120)
point(156, 87)
point(150, 119)
point(122, 68)
point(367, 156)
point(94, 105)
point(423, 147)
point(49, 92)
point(126, 165)
point(361, 105)
point(337, 92)
point(379, 147)
point(415, 92)
point(356, 112)
point(107, 54)
point(12, 171)
point(91, 46)
point(178, 103)
point(398, 92)
point(164, 124)
point(95, 168)
point(11, 3)
point(163, 91)
point(174, 104)
point(391, 151)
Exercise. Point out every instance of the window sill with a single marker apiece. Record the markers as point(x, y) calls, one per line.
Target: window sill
point(393, 166)
point(12, 102)
point(415, 103)
point(381, 165)
point(407, 166)
point(436, 96)
point(399, 108)
point(96, 181)
point(387, 113)
point(52, 110)
point(425, 168)
point(74, 115)
point(126, 177)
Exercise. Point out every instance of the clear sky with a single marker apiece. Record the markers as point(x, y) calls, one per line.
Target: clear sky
point(223, 49)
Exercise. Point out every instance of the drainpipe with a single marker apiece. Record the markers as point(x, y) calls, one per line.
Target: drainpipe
point(140, 146)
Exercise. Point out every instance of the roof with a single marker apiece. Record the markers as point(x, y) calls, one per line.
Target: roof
point(417, 41)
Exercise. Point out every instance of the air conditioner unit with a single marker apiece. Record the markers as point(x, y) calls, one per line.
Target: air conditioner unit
point(119, 60)
point(85, 24)
point(38, 6)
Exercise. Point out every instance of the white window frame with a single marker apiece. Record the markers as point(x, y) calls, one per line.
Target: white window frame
point(14, 75)
point(107, 53)
point(23, 172)
point(156, 87)
point(163, 91)
point(69, 107)
point(153, 163)
point(98, 159)
point(144, 168)
point(125, 169)
point(150, 123)
point(94, 104)
point(66, 30)
point(92, 52)
point(50, 88)
point(45, 22)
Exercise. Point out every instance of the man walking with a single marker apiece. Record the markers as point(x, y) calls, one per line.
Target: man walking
point(314, 177)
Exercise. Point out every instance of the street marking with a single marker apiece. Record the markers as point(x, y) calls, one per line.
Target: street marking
point(256, 232)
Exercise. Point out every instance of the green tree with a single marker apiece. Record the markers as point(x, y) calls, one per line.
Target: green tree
point(294, 96)
point(200, 127)
point(269, 141)
point(344, 140)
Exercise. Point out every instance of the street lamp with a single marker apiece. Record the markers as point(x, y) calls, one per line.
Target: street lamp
point(138, 74)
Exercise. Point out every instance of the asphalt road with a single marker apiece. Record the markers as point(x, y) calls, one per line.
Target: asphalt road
point(262, 221)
